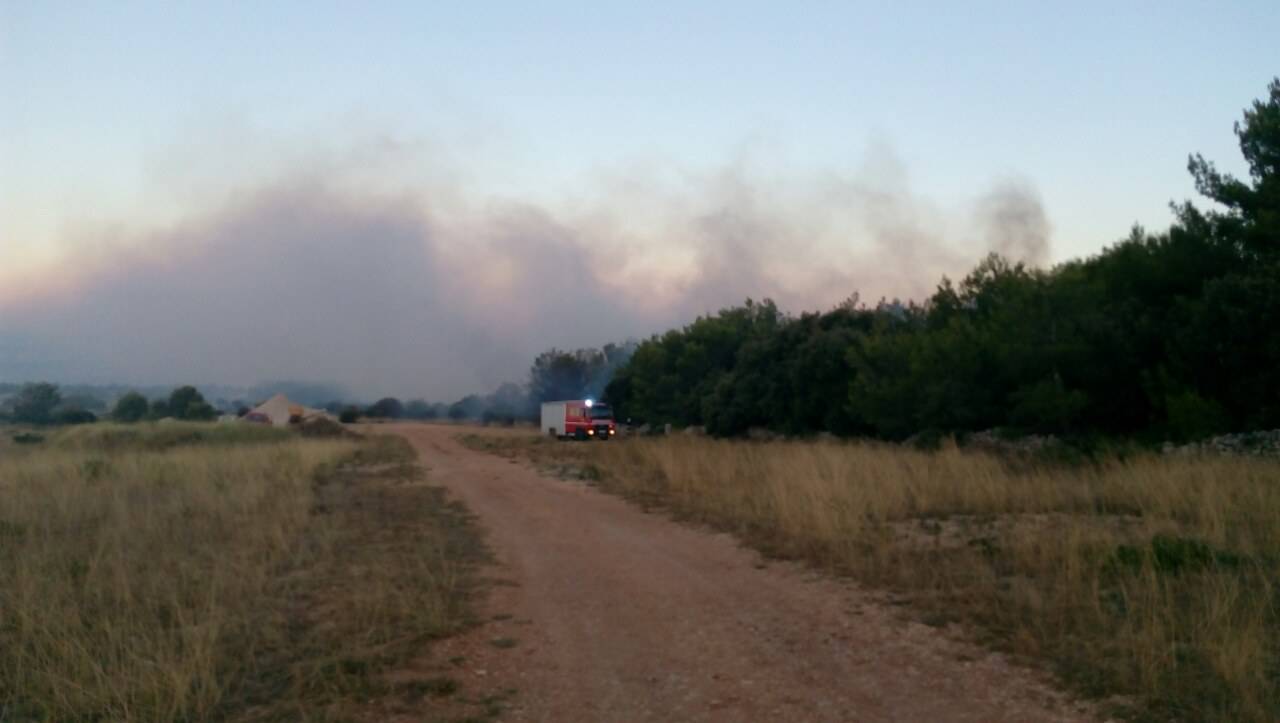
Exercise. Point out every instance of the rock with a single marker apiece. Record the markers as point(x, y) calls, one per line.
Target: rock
point(1262, 443)
point(992, 441)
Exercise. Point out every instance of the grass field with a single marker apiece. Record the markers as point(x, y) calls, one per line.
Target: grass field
point(198, 572)
point(1148, 582)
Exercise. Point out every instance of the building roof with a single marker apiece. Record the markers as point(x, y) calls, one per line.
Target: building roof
point(279, 410)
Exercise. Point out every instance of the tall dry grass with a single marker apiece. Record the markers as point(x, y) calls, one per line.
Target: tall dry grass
point(143, 578)
point(1150, 579)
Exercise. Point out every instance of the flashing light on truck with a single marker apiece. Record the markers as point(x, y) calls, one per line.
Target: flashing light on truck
point(578, 419)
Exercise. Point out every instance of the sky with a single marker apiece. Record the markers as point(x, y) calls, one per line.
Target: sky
point(417, 197)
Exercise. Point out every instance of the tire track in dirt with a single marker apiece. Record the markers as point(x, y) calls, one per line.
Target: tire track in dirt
point(612, 614)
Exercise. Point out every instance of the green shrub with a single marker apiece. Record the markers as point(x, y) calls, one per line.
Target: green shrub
point(132, 407)
point(1174, 555)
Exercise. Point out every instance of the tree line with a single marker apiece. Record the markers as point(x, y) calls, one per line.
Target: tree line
point(555, 374)
point(1171, 335)
point(42, 403)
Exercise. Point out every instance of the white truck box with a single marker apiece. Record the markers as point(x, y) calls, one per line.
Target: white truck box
point(553, 414)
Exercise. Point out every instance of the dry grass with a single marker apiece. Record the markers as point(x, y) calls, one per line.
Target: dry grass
point(1149, 580)
point(164, 435)
point(186, 572)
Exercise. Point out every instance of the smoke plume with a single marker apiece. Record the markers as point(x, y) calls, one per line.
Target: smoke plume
point(1015, 223)
point(424, 291)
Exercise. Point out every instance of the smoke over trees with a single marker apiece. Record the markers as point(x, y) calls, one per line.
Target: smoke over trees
point(554, 375)
point(427, 292)
point(1171, 335)
point(580, 374)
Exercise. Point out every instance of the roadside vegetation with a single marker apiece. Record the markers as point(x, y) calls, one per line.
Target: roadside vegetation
point(185, 571)
point(1148, 582)
point(107, 437)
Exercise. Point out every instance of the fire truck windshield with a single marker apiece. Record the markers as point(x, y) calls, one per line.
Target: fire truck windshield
point(600, 411)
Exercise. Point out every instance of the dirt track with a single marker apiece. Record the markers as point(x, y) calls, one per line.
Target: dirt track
point(619, 615)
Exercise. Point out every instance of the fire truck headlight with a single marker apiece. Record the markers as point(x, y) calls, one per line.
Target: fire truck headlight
point(591, 431)
point(613, 431)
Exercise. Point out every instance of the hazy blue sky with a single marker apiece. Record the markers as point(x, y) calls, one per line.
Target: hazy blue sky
point(121, 120)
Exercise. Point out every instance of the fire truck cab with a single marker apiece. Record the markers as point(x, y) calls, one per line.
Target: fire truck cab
point(578, 419)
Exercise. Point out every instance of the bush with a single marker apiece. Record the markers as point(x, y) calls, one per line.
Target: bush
point(200, 412)
point(387, 407)
point(1173, 555)
point(159, 409)
point(1193, 417)
point(419, 409)
point(35, 403)
point(324, 427)
point(187, 402)
point(74, 416)
point(498, 416)
point(132, 407)
point(349, 415)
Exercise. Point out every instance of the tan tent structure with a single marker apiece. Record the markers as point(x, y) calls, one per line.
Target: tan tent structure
point(278, 411)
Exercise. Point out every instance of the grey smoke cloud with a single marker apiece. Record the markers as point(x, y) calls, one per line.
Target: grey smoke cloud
point(416, 293)
point(1015, 223)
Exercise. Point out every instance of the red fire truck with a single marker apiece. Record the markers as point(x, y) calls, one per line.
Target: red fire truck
point(578, 419)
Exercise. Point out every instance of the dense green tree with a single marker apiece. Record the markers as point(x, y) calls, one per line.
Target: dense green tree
point(469, 407)
point(186, 402)
point(419, 409)
point(35, 403)
point(74, 415)
point(132, 407)
point(883, 394)
point(557, 374)
point(159, 409)
point(1251, 220)
point(386, 408)
point(200, 411)
point(507, 403)
point(677, 376)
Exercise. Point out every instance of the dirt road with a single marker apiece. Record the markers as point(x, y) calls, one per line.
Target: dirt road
point(613, 614)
